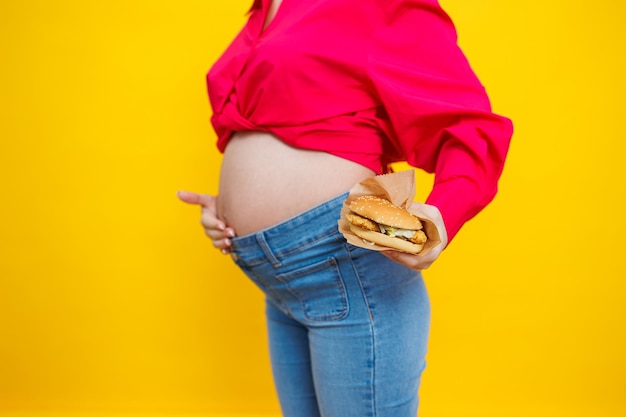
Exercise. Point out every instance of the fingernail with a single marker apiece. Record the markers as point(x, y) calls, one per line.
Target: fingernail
point(231, 233)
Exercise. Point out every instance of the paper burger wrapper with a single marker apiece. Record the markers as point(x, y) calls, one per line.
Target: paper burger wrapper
point(399, 189)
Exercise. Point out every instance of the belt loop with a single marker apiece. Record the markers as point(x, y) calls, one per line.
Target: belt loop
point(260, 238)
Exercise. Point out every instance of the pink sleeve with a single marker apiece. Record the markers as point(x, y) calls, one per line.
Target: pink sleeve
point(439, 116)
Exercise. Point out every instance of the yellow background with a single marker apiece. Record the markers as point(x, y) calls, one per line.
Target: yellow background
point(113, 301)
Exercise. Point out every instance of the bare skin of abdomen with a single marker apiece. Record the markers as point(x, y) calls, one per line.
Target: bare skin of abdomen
point(264, 181)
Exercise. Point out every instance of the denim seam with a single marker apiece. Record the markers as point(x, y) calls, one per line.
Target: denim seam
point(274, 257)
point(267, 250)
point(372, 332)
point(373, 390)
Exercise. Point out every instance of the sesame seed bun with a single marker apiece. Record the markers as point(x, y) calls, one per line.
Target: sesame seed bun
point(383, 212)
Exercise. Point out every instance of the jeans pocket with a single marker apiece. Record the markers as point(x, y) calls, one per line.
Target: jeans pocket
point(320, 290)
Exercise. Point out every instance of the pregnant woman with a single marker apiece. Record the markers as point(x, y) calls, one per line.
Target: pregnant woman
point(310, 98)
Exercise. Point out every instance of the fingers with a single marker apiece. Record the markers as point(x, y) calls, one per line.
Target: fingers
point(190, 197)
point(414, 262)
point(214, 228)
point(210, 222)
point(221, 238)
point(223, 245)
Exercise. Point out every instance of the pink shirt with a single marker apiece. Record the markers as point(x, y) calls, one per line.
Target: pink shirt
point(374, 82)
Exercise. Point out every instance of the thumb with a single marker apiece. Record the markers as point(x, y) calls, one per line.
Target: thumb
point(190, 197)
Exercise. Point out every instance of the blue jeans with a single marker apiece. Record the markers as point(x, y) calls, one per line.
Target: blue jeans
point(347, 327)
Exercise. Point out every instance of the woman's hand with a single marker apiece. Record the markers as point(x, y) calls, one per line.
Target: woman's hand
point(214, 228)
point(416, 262)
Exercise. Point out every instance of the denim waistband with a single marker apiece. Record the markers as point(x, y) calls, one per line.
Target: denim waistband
point(290, 235)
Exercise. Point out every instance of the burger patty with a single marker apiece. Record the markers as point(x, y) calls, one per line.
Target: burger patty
point(362, 222)
point(419, 237)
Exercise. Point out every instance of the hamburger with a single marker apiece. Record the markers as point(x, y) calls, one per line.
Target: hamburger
point(378, 221)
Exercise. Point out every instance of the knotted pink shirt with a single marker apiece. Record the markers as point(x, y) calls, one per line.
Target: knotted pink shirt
point(374, 82)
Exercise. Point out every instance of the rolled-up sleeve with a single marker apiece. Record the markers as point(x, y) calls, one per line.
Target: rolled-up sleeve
point(437, 113)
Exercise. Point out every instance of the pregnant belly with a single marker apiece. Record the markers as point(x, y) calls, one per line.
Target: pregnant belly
point(263, 181)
